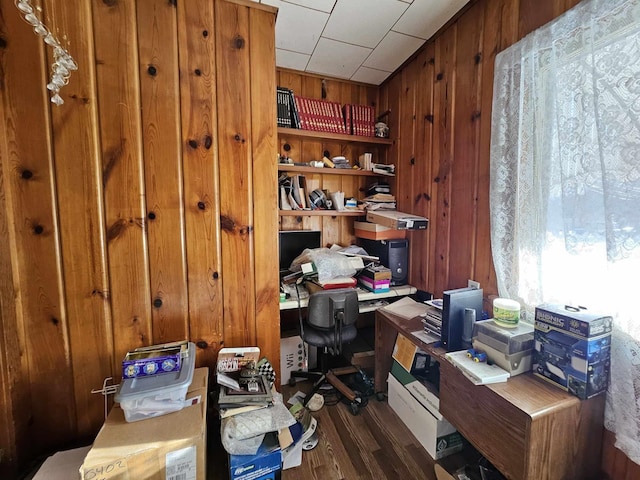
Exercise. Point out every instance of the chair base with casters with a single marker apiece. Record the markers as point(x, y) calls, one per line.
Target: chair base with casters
point(330, 323)
point(331, 377)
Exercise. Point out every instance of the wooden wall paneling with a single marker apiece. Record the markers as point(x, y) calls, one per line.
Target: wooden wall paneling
point(464, 166)
point(421, 179)
point(14, 385)
point(406, 137)
point(407, 174)
point(196, 50)
point(159, 86)
point(533, 14)
point(30, 281)
point(122, 170)
point(391, 101)
point(500, 29)
point(443, 154)
point(264, 141)
point(236, 167)
point(10, 363)
point(75, 360)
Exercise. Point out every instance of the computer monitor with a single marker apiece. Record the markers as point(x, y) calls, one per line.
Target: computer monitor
point(293, 242)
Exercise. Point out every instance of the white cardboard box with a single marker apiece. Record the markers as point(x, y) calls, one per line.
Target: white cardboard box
point(438, 437)
point(156, 448)
point(398, 220)
point(292, 356)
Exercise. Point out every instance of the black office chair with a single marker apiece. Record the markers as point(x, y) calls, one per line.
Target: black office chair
point(330, 323)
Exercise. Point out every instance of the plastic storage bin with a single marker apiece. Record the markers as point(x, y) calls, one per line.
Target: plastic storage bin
point(147, 397)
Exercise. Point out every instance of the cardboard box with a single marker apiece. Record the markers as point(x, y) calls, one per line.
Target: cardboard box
point(375, 231)
point(423, 392)
point(572, 349)
point(62, 465)
point(397, 220)
point(438, 437)
point(292, 356)
point(154, 449)
point(266, 464)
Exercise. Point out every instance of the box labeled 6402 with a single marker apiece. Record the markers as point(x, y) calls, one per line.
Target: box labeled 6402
point(572, 348)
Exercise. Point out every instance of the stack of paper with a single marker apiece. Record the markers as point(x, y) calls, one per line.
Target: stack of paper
point(480, 373)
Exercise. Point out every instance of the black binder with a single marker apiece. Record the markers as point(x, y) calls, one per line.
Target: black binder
point(453, 304)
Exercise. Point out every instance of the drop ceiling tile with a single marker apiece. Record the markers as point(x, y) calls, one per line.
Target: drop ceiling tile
point(423, 19)
point(370, 75)
point(336, 58)
point(394, 49)
point(298, 28)
point(322, 5)
point(291, 60)
point(360, 23)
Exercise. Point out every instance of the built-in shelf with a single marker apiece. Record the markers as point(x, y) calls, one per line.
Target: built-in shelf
point(283, 167)
point(322, 213)
point(328, 136)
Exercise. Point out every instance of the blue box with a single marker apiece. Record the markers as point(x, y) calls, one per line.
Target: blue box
point(266, 464)
point(572, 349)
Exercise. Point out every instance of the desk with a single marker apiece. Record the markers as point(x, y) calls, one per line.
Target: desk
point(363, 297)
point(528, 428)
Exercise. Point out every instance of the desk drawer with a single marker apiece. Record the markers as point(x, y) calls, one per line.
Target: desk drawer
point(492, 424)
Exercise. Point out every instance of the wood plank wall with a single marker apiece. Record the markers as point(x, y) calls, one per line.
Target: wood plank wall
point(129, 215)
point(440, 104)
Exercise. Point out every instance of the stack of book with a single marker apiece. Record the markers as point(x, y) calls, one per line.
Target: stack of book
point(294, 111)
point(480, 373)
point(242, 387)
point(366, 161)
point(239, 395)
point(360, 120)
point(314, 285)
point(376, 279)
point(432, 318)
point(287, 113)
point(380, 201)
point(340, 162)
point(384, 169)
point(319, 115)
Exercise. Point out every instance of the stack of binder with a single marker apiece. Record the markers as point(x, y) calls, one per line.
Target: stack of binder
point(287, 113)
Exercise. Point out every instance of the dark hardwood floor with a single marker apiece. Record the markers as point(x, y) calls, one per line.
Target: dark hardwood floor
point(374, 444)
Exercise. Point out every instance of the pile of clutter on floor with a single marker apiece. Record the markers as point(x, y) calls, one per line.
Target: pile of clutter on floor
point(260, 433)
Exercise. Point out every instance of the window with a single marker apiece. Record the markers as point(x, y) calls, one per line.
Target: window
point(565, 181)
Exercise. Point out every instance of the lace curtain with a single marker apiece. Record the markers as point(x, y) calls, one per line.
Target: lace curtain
point(565, 181)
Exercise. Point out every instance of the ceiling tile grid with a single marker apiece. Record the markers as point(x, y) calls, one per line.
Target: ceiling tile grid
point(359, 40)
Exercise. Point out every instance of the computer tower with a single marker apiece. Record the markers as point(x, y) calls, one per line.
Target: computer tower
point(393, 254)
point(453, 304)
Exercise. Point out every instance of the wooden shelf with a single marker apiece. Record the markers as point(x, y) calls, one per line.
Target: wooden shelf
point(322, 213)
point(283, 167)
point(328, 136)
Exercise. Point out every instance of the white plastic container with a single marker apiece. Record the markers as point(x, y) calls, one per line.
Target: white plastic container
point(506, 312)
point(146, 397)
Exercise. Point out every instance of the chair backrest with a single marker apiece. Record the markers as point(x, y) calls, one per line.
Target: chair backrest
point(328, 307)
